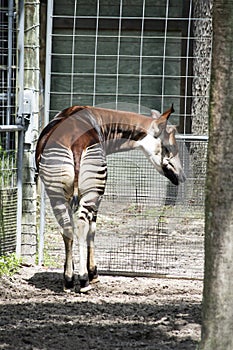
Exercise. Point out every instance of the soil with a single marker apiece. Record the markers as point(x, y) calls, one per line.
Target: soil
point(118, 313)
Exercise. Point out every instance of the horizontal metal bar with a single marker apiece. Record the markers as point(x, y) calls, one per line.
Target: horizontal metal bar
point(130, 36)
point(146, 274)
point(84, 55)
point(4, 128)
point(122, 94)
point(191, 137)
point(134, 17)
point(113, 75)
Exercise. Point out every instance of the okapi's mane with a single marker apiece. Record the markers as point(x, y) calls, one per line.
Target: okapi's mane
point(49, 129)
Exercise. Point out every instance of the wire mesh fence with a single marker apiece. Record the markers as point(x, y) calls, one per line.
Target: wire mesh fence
point(145, 54)
point(8, 61)
point(8, 194)
point(9, 136)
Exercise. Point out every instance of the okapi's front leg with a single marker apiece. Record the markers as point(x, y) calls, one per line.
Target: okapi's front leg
point(91, 264)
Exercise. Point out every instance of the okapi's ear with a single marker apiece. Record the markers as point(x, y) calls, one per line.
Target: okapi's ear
point(155, 114)
point(159, 124)
point(167, 114)
point(162, 121)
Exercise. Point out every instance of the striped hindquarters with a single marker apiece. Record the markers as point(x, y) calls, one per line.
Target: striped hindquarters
point(57, 171)
point(92, 179)
point(57, 174)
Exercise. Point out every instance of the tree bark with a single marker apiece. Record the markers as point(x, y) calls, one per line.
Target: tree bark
point(217, 326)
point(202, 40)
point(202, 33)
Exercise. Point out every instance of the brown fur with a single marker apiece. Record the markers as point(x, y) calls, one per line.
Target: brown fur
point(49, 129)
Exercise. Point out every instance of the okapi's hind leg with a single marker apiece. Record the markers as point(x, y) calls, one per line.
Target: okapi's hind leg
point(91, 265)
point(68, 275)
point(88, 270)
point(63, 214)
point(83, 229)
point(86, 233)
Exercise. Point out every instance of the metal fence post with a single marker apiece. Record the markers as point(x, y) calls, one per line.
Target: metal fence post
point(20, 121)
point(20, 190)
point(46, 120)
point(42, 225)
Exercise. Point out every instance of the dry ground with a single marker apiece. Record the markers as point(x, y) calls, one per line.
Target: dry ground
point(118, 313)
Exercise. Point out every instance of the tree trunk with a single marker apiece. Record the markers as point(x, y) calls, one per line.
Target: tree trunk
point(217, 327)
point(202, 33)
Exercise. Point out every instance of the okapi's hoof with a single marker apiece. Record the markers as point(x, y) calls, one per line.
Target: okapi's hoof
point(93, 276)
point(95, 280)
point(84, 286)
point(68, 286)
point(68, 282)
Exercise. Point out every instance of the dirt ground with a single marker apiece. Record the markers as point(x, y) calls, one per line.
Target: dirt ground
point(118, 313)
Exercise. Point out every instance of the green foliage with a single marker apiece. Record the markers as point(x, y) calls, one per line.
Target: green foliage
point(9, 264)
point(8, 169)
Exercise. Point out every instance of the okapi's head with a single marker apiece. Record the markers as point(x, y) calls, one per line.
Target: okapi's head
point(162, 148)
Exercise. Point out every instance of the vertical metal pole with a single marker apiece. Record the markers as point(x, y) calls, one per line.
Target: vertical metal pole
point(20, 85)
point(9, 68)
point(20, 133)
point(19, 191)
point(9, 59)
point(42, 225)
point(140, 58)
point(46, 120)
point(48, 59)
point(164, 57)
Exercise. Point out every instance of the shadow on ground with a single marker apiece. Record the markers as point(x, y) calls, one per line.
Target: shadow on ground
point(102, 320)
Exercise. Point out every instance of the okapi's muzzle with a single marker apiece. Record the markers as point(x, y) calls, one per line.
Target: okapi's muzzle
point(175, 177)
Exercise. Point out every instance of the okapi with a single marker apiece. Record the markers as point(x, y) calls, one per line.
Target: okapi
point(71, 160)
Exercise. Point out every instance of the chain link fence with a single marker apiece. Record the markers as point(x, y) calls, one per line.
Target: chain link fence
point(10, 188)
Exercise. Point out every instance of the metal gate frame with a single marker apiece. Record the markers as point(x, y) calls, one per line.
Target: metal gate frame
point(19, 127)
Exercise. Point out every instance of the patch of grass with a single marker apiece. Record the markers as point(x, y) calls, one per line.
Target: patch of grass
point(48, 259)
point(9, 264)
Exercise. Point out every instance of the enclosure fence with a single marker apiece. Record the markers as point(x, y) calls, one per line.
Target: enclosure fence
point(11, 188)
point(137, 57)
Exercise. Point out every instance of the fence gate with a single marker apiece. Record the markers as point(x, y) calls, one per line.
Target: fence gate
point(11, 135)
point(137, 56)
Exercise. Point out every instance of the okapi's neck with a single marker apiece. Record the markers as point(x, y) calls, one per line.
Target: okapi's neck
point(79, 127)
point(120, 130)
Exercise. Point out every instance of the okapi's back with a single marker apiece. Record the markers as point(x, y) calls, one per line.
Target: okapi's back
point(51, 127)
